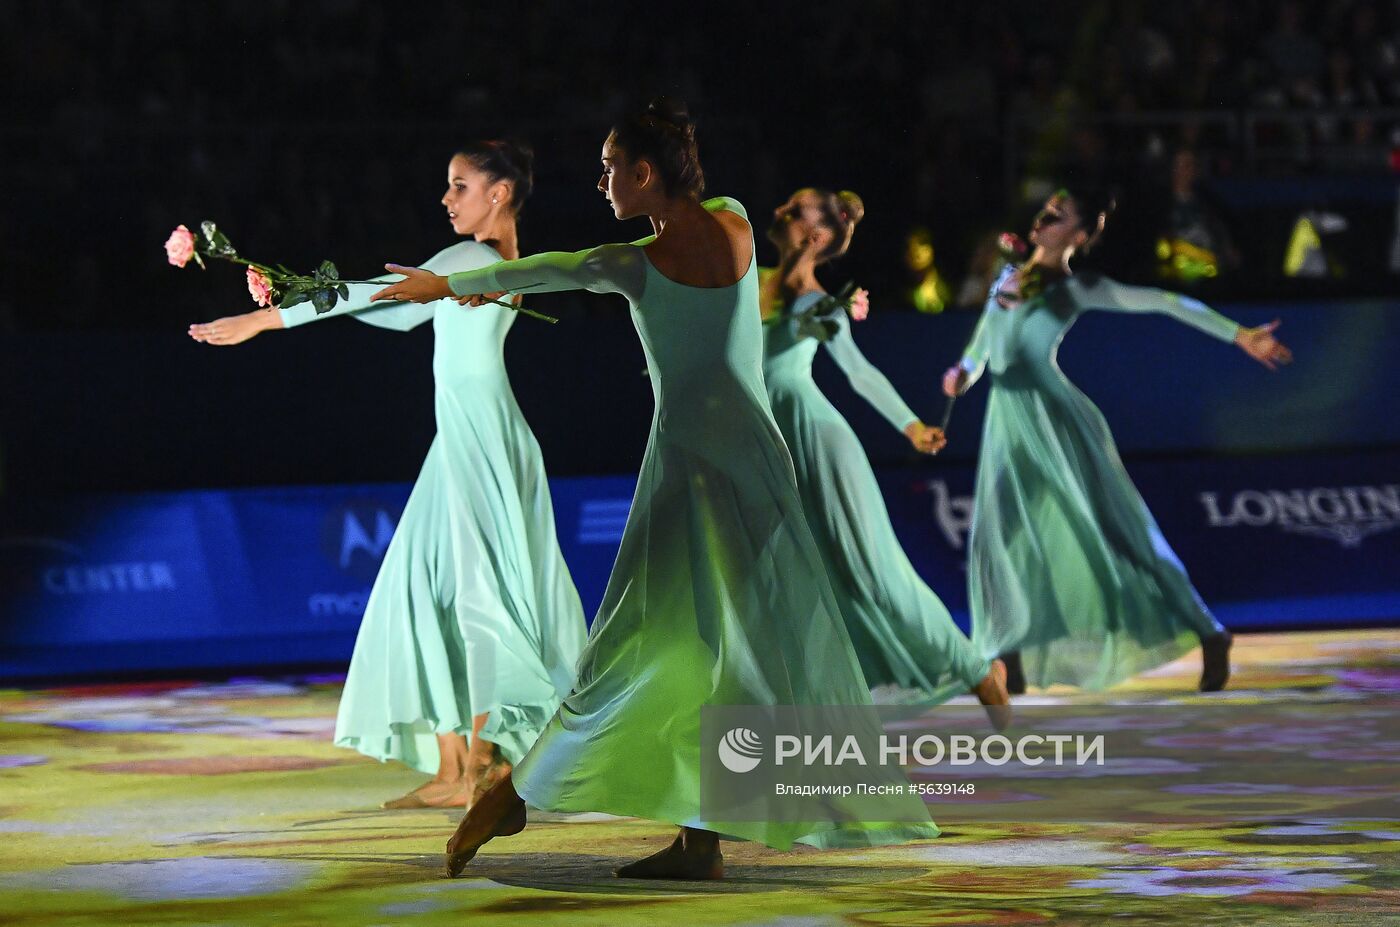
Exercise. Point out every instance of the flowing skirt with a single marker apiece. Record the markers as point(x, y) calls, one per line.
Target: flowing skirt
point(902, 632)
point(718, 597)
point(1065, 562)
point(473, 611)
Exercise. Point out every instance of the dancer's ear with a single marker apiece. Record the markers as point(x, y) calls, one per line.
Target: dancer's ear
point(820, 239)
point(501, 192)
point(643, 173)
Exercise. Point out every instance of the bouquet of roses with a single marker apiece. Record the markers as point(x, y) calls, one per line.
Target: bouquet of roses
point(277, 285)
point(819, 320)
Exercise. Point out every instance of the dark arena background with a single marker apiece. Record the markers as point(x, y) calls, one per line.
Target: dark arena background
point(189, 533)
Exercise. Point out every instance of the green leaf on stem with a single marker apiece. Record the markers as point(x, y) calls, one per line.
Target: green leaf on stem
point(809, 326)
point(323, 300)
point(216, 242)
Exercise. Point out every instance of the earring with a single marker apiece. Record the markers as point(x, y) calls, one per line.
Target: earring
point(493, 201)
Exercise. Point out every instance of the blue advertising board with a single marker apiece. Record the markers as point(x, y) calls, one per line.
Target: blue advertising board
point(266, 577)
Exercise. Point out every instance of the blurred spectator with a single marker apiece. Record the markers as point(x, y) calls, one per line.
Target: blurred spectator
point(1377, 56)
point(929, 292)
point(1296, 60)
point(281, 120)
point(1196, 244)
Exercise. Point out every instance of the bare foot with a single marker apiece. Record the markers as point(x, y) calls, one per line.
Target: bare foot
point(694, 856)
point(991, 692)
point(437, 793)
point(484, 777)
point(500, 812)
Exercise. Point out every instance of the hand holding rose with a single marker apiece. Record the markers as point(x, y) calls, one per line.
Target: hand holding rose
point(954, 381)
point(925, 438)
point(417, 286)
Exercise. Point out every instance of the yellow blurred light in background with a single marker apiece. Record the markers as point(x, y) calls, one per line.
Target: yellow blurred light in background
point(918, 250)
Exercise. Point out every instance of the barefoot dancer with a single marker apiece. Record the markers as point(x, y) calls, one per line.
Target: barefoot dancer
point(1065, 563)
point(718, 596)
point(473, 627)
point(902, 632)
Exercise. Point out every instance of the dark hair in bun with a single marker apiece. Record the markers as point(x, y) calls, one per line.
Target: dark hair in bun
point(663, 135)
point(840, 213)
point(1094, 205)
point(504, 159)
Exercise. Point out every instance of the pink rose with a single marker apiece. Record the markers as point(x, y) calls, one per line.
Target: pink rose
point(259, 287)
point(860, 305)
point(179, 247)
point(1011, 246)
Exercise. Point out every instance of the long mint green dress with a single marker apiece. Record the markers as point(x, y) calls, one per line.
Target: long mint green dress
point(473, 611)
point(1065, 562)
point(902, 632)
point(718, 595)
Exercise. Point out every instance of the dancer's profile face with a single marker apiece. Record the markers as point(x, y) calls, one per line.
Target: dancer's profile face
point(624, 182)
point(1057, 225)
point(468, 196)
point(799, 220)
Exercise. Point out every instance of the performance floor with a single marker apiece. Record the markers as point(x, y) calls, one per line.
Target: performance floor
point(225, 804)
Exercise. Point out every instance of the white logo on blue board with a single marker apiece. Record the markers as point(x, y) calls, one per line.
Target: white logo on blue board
point(954, 514)
point(354, 537)
point(1345, 514)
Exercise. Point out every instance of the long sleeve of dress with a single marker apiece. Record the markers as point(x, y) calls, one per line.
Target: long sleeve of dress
point(974, 359)
point(604, 269)
point(865, 377)
point(979, 348)
point(1103, 293)
point(397, 316)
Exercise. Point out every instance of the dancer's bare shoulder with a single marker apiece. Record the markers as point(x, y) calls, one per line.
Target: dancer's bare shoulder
point(711, 250)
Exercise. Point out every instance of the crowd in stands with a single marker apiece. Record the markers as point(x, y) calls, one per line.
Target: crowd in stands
point(320, 128)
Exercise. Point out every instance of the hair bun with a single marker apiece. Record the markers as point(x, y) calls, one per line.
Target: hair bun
point(517, 153)
point(663, 135)
point(672, 112)
point(509, 159)
point(852, 207)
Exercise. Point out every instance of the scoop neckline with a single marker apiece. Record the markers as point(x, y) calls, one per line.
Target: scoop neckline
point(688, 286)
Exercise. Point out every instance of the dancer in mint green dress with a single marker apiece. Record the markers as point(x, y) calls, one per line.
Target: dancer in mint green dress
point(718, 596)
point(901, 630)
point(473, 627)
point(1065, 563)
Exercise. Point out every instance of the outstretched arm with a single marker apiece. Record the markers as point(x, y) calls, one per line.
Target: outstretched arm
point(463, 256)
point(236, 329)
point(875, 387)
point(865, 378)
point(1103, 293)
point(605, 269)
point(959, 378)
